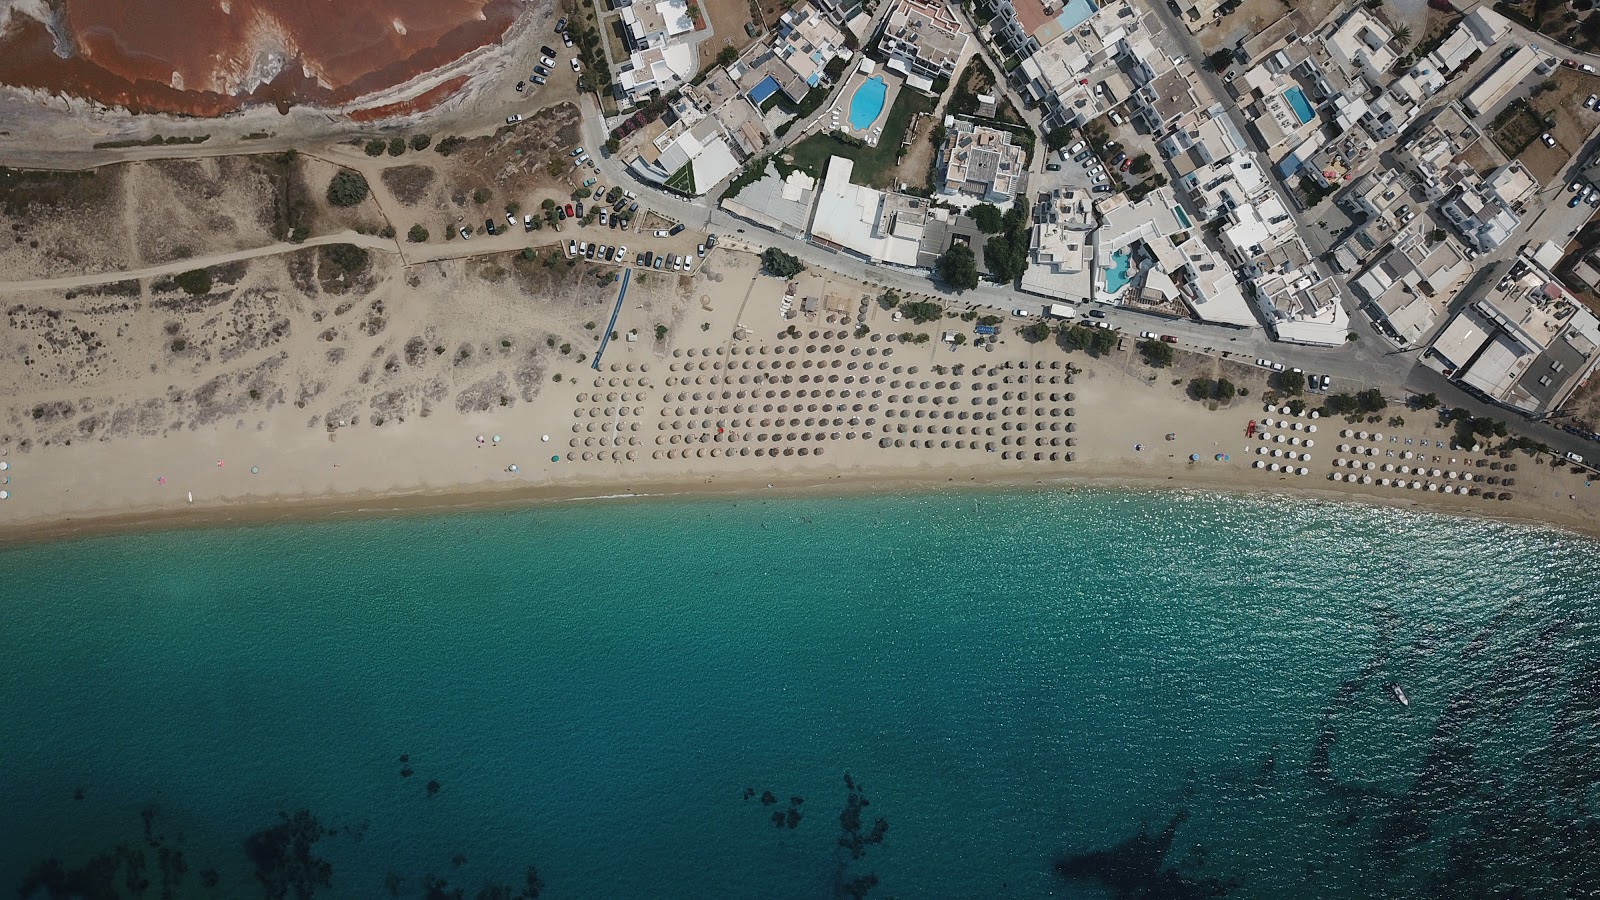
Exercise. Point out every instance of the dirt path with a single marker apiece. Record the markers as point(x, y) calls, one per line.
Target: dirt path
point(199, 262)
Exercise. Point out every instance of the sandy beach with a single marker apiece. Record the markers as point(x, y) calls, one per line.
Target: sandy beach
point(446, 385)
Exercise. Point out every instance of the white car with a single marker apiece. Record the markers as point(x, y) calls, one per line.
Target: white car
point(1590, 101)
point(1587, 69)
point(1020, 313)
point(511, 219)
point(572, 248)
point(622, 252)
point(574, 64)
point(1148, 336)
point(1264, 363)
point(1574, 187)
point(1548, 140)
point(1574, 457)
point(661, 232)
point(546, 61)
point(513, 119)
point(1075, 148)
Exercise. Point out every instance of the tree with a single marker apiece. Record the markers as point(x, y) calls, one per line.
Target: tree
point(375, 147)
point(1370, 400)
point(449, 145)
point(556, 167)
point(1036, 332)
point(1341, 404)
point(1103, 341)
point(547, 204)
point(987, 217)
point(194, 281)
point(957, 267)
point(1225, 390)
point(480, 196)
point(1157, 353)
point(347, 188)
point(386, 231)
point(1141, 164)
point(612, 146)
point(397, 146)
point(922, 311)
point(1425, 401)
point(1220, 60)
point(960, 339)
point(889, 300)
point(1292, 383)
point(513, 207)
point(1402, 36)
point(417, 234)
point(1436, 235)
point(727, 56)
point(780, 264)
point(420, 141)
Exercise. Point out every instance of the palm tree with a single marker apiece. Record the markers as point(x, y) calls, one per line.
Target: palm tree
point(1402, 36)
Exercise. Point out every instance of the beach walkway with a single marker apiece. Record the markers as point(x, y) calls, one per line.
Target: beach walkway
point(605, 339)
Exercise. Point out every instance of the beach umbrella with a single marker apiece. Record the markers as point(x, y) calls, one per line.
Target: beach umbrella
point(1261, 450)
point(556, 458)
point(480, 437)
point(513, 469)
point(1195, 457)
point(1310, 443)
point(1276, 452)
point(1449, 489)
point(1311, 428)
point(4, 466)
point(1366, 479)
point(1433, 487)
point(1275, 467)
point(1260, 464)
point(1377, 435)
point(1286, 411)
point(1301, 471)
point(1315, 414)
point(5, 495)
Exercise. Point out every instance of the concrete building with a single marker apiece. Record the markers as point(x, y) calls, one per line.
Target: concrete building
point(781, 204)
point(1483, 222)
point(922, 40)
point(1525, 343)
point(1506, 77)
point(1360, 45)
point(876, 225)
point(1062, 247)
point(1407, 290)
point(806, 40)
point(979, 162)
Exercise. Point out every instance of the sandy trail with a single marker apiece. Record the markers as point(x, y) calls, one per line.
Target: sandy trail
point(198, 262)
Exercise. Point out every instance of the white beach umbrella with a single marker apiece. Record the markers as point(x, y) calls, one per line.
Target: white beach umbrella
point(1344, 448)
point(1301, 471)
point(1452, 474)
point(1434, 472)
point(1269, 423)
point(1315, 414)
point(1274, 467)
point(1433, 487)
point(1344, 432)
point(1449, 489)
point(1278, 438)
point(1338, 461)
point(1305, 457)
point(1264, 435)
point(1310, 442)
point(1466, 476)
point(1311, 428)
point(1260, 464)
point(1276, 452)
point(4, 466)
point(1366, 479)
point(1388, 467)
point(1286, 411)
point(1295, 441)
point(1261, 450)
point(1294, 426)
point(1377, 435)
point(5, 495)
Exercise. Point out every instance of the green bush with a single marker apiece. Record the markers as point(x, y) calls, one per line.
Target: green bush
point(420, 141)
point(397, 146)
point(417, 234)
point(780, 264)
point(195, 281)
point(375, 147)
point(347, 188)
point(480, 196)
point(956, 267)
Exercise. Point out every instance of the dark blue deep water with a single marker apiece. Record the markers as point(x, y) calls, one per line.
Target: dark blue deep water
point(1056, 694)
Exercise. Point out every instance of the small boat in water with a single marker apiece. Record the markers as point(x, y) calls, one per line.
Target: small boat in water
point(1400, 694)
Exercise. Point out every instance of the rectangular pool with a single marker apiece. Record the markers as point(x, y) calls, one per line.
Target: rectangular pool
point(1183, 217)
point(1075, 13)
point(1300, 105)
point(766, 88)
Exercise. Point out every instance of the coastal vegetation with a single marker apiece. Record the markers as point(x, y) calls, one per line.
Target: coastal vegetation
point(347, 188)
point(777, 263)
point(957, 267)
point(1156, 352)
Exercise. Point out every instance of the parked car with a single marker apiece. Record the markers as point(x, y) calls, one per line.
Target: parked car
point(561, 25)
point(659, 261)
point(1326, 380)
point(603, 220)
point(580, 209)
point(1098, 313)
point(568, 210)
point(541, 71)
point(1075, 147)
point(521, 85)
point(588, 252)
point(1548, 140)
point(1052, 167)
point(527, 221)
point(1020, 313)
point(1575, 186)
point(700, 249)
point(574, 64)
point(566, 41)
point(676, 229)
point(547, 60)
point(537, 79)
point(1586, 69)
point(1082, 156)
point(589, 182)
point(1126, 165)
point(1512, 51)
point(649, 257)
point(578, 152)
point(513, 119)
point(572, 248)
point(1574, 457)
point(1102, 188)
point(1573, 203)
point(1169, 339)
point(1590, 101)
point(488, 225)
point(1264, 363)
point(1147, 335)
point(546, 51)
point(465, 234)
point(661, 233)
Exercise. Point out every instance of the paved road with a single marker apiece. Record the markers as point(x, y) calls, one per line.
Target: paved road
point(199, 262)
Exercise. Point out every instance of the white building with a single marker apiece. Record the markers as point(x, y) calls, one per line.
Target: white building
point(1062, 247)
point(979, 162)
point(856, 219)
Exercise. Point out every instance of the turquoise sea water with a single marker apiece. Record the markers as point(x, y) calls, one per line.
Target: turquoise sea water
point(1017, 683)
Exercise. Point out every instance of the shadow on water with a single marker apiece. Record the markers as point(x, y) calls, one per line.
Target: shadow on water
point(1501, 801)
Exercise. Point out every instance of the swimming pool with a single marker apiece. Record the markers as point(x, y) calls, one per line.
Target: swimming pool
point(1117, 275)
point(867, 102)
point(1183, 217)
point(766, 88)
point(1075, 13)
point(1302, 106)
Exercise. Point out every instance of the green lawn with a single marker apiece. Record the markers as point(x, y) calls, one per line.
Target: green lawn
point(873, 164)
point(683, 180)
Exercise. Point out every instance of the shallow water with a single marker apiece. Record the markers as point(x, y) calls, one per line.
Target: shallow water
point(1018, 683)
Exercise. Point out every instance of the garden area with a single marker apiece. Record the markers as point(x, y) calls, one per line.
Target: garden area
point(1516, 127)
point(876, 166)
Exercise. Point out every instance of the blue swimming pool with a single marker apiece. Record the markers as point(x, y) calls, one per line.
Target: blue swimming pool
point(766, 88)
point(1302, 106)
point(1075, 13)
point(867, 102)
point(1183, 217)
point(1117, 275)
